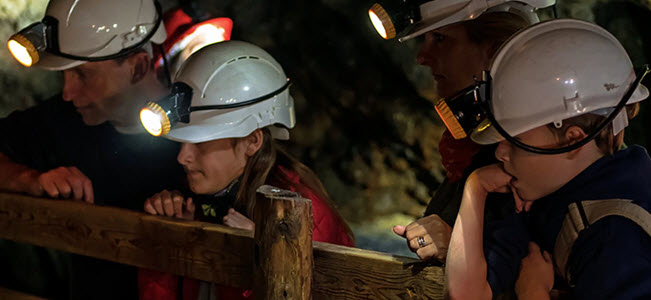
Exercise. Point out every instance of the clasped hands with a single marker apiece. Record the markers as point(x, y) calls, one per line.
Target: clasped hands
point(174, 204)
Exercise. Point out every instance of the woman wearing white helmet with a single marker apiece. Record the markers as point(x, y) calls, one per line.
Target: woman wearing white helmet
point(555, 101)
point(229, 103)
point(455, 53)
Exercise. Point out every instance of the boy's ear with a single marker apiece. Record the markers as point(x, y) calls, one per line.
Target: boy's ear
point(573, 135)
point(253, 142)
point(140, 65)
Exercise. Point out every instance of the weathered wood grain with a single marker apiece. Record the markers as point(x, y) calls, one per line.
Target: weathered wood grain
point(283, 245)
point(205, 251)
point(350, 273)
point(195, 249)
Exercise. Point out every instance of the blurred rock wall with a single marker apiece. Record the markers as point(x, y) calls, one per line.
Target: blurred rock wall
point(21, 87)
point(365, 120)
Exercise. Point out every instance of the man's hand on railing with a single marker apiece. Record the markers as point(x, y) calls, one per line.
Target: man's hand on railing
point(62, 182)
point(428, 237)
point(171, 204)
point(67, 183)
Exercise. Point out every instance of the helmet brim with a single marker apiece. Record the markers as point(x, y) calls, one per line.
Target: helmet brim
point(487, 134)
point(54, 62)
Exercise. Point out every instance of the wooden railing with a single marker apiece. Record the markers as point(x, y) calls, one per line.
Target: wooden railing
point(223, 255)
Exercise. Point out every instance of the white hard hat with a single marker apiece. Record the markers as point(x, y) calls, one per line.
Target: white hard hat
point(410, 18)
point(73, 32)
point(554, 71)
point(231, 89)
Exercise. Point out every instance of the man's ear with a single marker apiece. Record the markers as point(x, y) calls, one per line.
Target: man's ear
point(253, 142)
point(140, 65)
point(573, 135)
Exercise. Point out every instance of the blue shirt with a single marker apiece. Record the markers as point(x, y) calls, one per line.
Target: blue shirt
point(611, 259)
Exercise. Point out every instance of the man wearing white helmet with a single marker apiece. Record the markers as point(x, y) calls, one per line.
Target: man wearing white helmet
point(557, 98)
point(86, 144)
point(229, 104)
point(459, 39)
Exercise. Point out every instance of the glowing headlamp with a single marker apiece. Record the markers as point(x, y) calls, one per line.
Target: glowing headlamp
point(159, 117)
point(393, 17)
point(27, 43)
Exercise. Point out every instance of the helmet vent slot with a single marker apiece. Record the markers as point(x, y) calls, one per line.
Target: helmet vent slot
point(242, 57)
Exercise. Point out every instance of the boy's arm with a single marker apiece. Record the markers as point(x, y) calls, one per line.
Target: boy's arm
point(466, 269)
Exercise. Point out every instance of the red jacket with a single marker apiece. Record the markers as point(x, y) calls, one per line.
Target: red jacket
point(326, 227)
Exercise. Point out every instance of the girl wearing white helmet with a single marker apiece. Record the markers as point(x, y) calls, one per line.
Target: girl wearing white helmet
point(229, 103)
point(554, 99)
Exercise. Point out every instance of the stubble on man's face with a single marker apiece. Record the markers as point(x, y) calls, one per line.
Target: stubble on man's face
point(99, 90)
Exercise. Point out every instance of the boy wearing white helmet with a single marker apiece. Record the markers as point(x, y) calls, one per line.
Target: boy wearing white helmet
point(86, 144)
point(555, 101)
point(229, 103)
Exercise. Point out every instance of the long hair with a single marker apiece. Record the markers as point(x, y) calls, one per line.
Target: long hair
point(260, 169)
point(494, 29)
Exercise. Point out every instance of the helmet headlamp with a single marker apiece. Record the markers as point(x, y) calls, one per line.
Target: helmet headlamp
point(393, 17)
point(27, 45)
point(463, 112)
point(159, 117)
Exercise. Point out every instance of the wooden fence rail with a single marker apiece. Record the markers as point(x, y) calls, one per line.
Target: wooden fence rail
point(206, 251)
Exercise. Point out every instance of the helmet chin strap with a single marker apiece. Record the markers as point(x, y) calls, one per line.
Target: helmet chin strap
point(166, 66)
point(616, 113)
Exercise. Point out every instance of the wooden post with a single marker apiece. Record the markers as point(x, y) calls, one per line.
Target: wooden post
point(283, 258)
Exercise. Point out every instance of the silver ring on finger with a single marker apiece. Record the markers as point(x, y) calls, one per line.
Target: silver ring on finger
point(421, 241)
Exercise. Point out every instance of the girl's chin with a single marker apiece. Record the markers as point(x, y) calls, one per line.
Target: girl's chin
point(197, 188)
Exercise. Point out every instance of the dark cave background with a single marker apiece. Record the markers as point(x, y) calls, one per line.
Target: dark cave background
point(365, 122)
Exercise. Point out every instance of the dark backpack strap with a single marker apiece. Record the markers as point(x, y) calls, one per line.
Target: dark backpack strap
point(581, 214)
